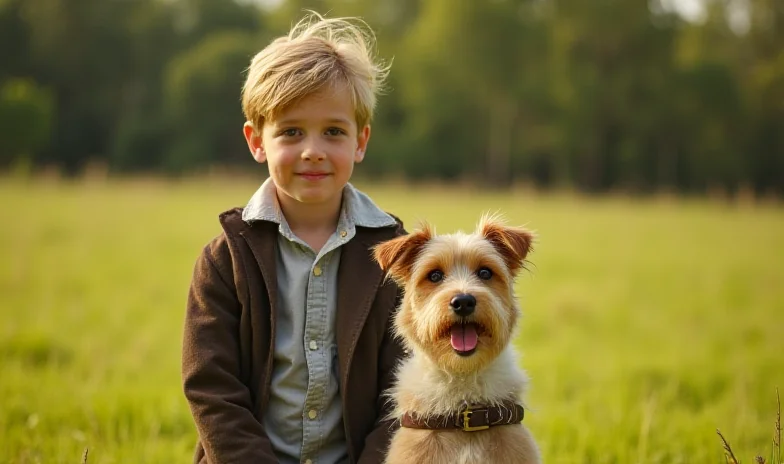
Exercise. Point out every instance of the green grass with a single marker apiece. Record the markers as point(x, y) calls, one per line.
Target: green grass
point(648, 324)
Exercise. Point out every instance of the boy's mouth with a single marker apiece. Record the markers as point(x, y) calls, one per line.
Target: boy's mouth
point(313, 175)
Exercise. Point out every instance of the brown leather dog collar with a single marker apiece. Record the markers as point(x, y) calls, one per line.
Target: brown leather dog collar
point(469, 418)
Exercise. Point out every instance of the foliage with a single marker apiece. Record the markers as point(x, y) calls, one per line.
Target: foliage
point(25, 119)
point(600, 95)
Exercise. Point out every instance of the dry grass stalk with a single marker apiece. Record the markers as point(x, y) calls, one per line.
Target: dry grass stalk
point(731, 459)
point(775, 452)
point(84, 456)
point(777, 432)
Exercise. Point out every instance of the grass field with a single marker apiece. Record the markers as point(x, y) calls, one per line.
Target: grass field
point(648, 324)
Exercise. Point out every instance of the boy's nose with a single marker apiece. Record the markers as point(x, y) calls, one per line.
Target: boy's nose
point(313, 152)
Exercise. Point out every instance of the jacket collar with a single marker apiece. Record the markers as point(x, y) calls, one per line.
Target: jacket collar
point(357, 209)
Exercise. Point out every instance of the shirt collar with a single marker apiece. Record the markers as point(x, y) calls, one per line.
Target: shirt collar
point(357, 209)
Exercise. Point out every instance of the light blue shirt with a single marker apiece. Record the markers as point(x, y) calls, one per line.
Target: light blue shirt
point(304, 419)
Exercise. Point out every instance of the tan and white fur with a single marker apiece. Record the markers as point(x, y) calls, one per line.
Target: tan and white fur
point(457, 358)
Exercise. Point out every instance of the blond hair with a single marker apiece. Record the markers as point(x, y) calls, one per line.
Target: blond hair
point(317, 52)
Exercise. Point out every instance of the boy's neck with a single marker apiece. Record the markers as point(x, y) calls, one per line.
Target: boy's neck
point(314, 223)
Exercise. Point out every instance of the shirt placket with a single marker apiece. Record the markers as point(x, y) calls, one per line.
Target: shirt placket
point(315, 355)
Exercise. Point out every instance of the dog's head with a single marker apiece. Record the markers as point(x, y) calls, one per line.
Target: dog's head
point(459, 306)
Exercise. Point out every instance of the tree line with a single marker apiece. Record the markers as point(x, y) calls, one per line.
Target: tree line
point(599, 95)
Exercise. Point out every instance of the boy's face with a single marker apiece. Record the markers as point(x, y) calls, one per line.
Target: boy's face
point(311, 147)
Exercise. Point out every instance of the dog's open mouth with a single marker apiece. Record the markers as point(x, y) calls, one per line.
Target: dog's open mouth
point(465, 337)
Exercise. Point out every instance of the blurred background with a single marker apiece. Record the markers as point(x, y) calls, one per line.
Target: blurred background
point(638, 96)
point(643, 141)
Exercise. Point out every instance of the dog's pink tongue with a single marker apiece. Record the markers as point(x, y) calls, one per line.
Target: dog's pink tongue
point(464, 337)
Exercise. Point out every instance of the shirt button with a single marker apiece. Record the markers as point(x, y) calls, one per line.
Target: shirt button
point(317, 271)
point(343, 233)
point(313, 345)
point(312, 414)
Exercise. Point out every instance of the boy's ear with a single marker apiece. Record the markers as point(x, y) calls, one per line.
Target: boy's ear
point(363, 136)
point(396, 257)
point(514, 243)
point(254, 140)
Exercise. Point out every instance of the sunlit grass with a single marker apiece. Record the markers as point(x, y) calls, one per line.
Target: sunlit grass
point(648, 324)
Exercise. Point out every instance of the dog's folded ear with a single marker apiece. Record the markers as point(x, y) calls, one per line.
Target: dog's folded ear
point(396, 257)
point(514, 243)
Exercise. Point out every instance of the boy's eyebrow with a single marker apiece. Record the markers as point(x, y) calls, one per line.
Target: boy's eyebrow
point(290, 122)
point(339, 121)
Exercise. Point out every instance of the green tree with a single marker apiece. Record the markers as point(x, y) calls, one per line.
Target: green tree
point(25, 120)
point(203, 101)
point(464, 67)
point(764, 72)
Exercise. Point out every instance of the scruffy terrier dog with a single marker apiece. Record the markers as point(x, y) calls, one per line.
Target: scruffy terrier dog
point(457, 394)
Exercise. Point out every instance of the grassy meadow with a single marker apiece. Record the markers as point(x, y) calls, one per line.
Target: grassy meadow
point(648, 324)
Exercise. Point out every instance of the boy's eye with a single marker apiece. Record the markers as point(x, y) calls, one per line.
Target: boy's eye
point(290, 132)
point(436, 276)
point(484, 273)
point(335, 131)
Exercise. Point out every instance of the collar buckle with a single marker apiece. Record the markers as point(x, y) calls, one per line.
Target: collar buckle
point(466, 415)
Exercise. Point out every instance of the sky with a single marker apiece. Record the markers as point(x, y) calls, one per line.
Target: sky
point(689, 9)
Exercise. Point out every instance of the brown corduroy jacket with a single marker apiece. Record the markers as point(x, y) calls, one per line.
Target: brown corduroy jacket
point(229, 339)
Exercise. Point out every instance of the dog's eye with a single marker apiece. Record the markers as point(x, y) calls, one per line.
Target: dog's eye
point(484, 273)
point(436, 276)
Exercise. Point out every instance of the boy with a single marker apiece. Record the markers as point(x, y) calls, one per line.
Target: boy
point(287, 346)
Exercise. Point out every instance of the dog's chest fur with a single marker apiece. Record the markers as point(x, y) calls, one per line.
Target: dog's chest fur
point(424, 388)
point(509, 444)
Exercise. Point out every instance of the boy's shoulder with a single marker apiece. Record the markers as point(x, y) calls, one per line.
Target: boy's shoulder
point(232, 220)
point(400, 229)
point(223, 246)
point(234, 226)
point(368, 214)
point(241, 241)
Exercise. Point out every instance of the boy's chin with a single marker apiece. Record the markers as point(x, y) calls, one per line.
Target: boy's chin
point(318, 198)
point(313, 195)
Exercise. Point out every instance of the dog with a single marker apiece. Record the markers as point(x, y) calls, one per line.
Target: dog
point(456, 394)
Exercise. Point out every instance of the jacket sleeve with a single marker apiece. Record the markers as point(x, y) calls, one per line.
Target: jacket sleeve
point(377, 442)
point(220, 402)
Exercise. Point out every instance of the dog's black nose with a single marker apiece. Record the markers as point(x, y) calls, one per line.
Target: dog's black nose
point(463, 304)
